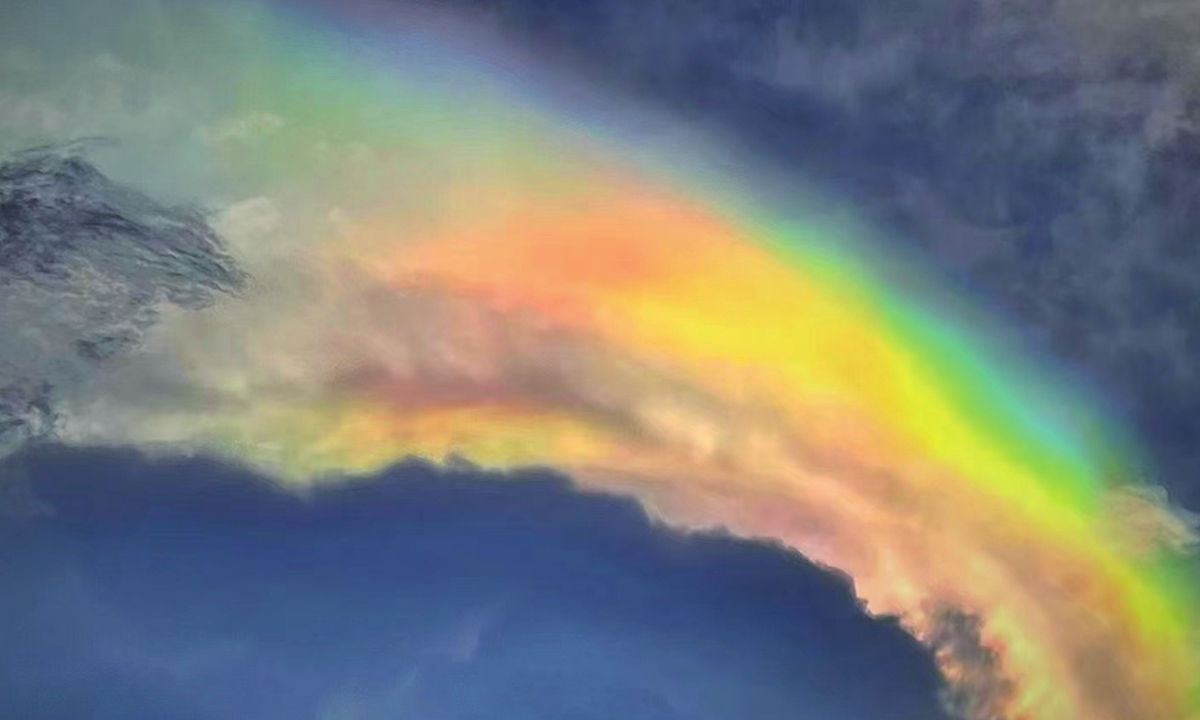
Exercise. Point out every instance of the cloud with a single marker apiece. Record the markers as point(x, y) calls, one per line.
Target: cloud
point(986, 142)
point(1043, 149)
point(979, 688)
point(86, 267)
point(246, 129)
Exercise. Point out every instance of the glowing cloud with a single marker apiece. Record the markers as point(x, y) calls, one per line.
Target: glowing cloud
point(446, 264)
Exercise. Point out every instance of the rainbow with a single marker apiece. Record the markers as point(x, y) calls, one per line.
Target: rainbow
point(457, 262)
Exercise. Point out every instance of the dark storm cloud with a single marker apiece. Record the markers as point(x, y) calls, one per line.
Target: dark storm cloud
point(86, 265)
point(1048, 150)
point(983, 692)
point(192, 590)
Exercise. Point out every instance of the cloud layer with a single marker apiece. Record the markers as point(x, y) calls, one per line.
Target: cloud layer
point(449, 258)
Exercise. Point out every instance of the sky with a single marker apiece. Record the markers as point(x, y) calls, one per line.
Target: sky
point(423, 593)
point(900, 291)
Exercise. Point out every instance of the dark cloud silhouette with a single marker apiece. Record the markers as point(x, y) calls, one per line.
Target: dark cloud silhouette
point(982, 691)
point(189, 589)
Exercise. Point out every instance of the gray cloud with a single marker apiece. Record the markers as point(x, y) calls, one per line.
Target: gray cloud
point(982, 691)
point(86, 266)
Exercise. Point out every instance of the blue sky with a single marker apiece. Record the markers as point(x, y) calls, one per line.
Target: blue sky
point(187, 589)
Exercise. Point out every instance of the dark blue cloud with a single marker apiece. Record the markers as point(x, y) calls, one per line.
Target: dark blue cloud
point(189, 589)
